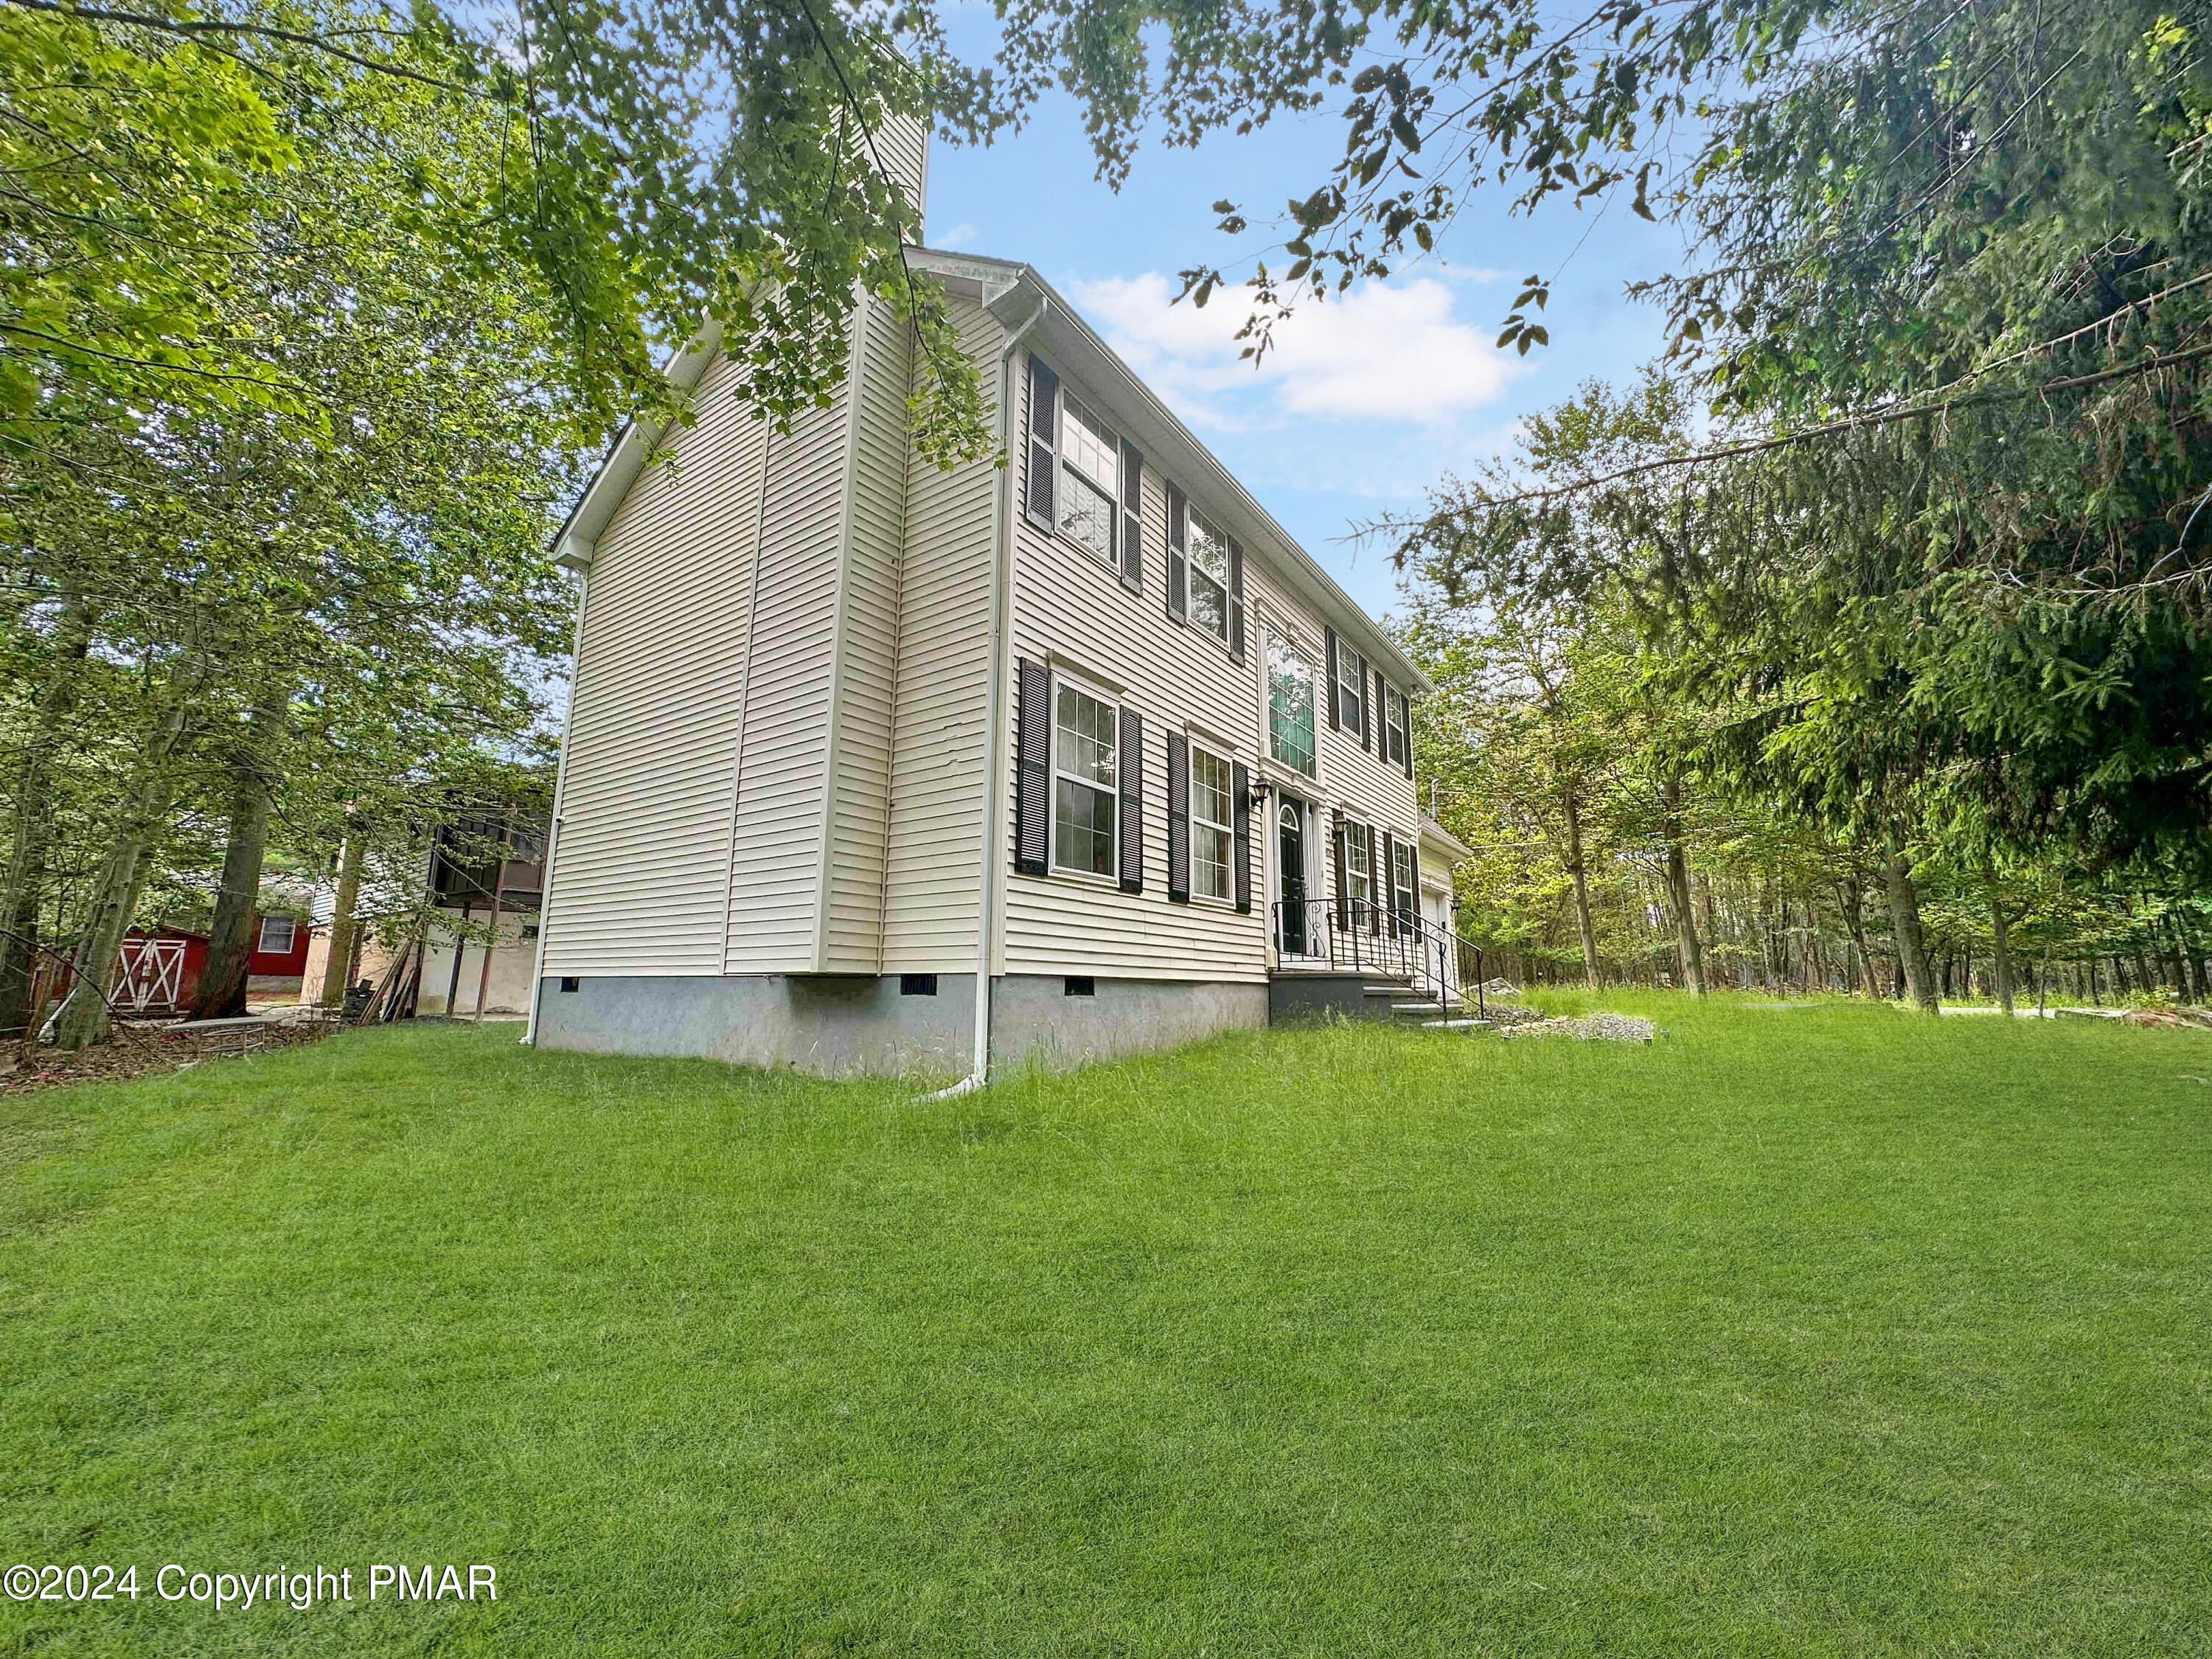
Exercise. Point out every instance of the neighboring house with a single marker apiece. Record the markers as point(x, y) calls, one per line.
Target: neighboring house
point(874, 768)
point(485, 871)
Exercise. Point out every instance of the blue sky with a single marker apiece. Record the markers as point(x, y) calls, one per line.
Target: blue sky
point(1369, 399)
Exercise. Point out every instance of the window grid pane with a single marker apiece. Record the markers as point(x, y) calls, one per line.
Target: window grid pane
point(1209, 604)
point(1088, 741)
point(1355, 861)
point(1092, 450)
point(1087, 515)
point(1210, 860)
point(1083, 834)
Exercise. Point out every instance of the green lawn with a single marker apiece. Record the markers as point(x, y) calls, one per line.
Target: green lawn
point(1823, 1331)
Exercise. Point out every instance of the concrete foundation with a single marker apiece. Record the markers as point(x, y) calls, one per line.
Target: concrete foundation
point(1316, 996)
point(837, 1025)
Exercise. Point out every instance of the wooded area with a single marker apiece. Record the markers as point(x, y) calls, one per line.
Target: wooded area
point(1862, 639)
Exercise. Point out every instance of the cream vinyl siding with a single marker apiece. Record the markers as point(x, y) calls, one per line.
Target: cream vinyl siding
point(1070, 604)
point(776, 856)
point(867, 668)
point(903, 143)
point(936, 832)
point(641, 867)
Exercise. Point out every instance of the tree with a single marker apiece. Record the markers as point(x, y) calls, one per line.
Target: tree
point(317, 587)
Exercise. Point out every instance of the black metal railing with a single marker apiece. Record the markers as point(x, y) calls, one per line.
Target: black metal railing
point(1373, 939)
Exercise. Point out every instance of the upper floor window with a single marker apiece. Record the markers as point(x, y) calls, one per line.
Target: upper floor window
point(1211, 837)
point(1351, 689)
point(1209, 576)
point(1090, 473)
point(1289, 704)
point(1396, 736)
point(1086, 748)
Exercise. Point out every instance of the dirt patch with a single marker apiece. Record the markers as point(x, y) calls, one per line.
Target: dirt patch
point(143, 1051)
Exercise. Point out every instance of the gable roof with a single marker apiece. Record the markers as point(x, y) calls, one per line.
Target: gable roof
point(1014, 293)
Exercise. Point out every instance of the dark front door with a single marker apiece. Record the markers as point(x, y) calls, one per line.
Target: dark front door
point(1290, 848)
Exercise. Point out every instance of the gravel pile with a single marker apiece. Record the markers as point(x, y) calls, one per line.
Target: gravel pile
point(1503, 1014)
point(1602, 1028)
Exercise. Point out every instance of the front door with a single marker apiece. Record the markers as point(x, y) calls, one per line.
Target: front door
point(1291, 860)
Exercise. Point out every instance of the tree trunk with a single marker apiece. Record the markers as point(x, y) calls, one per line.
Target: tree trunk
point(82, 1019)
point(1582, 891)
point(1678, 883)
point(20, 902)
point(337, 967)
point(1998, 928)
point(1852, 898)
point(1904, 927)
point(221, 993)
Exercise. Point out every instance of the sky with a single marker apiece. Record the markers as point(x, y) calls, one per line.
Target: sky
point(1368, 400)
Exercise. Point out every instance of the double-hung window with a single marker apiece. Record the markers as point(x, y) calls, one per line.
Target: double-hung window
point(1210, 835)
point(1085, 749)
point(1351, 689)
point(1091, 473)
point(1209, 576)
point(277, 933)
point(1395, 723)
point(1289, 704)
point(1404, 881)
point(1357, 845)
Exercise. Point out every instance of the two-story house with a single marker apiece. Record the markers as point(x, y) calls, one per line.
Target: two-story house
point(871, 767)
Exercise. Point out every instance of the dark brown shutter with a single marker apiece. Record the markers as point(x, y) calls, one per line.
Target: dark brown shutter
point(1032, 767)
point(1365, 739)
point(1044, 437)
point(1390, 881)
point(1329, 639)
point(1236, 599)
point(1178, 817)
point(1336, 855)
point(1374, 887)
point(1405, 724)
point(1132, 518)
point(1132, 802)
point(1240, 817)
point(1178, 569)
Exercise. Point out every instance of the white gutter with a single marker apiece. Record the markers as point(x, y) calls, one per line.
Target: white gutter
point(553, 829)
point(1002, 536)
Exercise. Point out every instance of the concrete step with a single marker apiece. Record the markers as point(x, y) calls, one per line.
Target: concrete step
point(1413, 1010)
point(1455, 1025)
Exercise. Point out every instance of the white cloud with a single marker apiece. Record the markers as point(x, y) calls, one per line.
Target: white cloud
point(959, 236)
point(1384, 352)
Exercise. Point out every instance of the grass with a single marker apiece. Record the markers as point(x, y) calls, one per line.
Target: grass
point(1840, 1333)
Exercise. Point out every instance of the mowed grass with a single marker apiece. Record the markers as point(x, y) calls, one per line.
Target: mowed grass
point(1829, 1331)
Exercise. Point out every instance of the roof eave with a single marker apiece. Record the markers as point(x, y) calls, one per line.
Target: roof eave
point(576, 542)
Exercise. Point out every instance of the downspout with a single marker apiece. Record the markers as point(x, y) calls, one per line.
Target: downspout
point(553, 829)
point(1002, 533)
